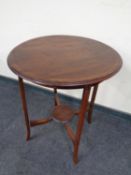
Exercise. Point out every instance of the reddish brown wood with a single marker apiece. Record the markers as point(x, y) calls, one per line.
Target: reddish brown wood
point(86, 93)
point(70, 132)
point(40, 121)
point(56, 98)
point(63, 113)
point(91, 104)
point(24, 105)
point(64, 61)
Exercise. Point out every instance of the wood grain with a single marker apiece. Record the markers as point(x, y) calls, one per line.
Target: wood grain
point(64, 61)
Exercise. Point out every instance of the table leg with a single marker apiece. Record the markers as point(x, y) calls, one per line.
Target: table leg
point(24, 106)
point(91, 105)
point(84, 104)
point(56, 98)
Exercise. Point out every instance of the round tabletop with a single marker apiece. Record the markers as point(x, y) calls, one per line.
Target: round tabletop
point(64, 61)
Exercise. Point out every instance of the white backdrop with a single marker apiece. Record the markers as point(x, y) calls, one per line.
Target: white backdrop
point(106, 20)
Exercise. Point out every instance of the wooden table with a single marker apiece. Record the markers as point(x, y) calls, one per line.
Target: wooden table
point(64, 62)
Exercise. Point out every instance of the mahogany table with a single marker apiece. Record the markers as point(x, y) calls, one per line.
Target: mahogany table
point(64, 62)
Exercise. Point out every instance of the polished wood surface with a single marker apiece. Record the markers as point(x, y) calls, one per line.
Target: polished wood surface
point(63, 113)
point(64, 61)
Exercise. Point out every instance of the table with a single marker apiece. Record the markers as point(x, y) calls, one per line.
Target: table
point(64, 62)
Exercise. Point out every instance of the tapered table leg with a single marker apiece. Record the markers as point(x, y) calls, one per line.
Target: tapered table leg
point(91, 105)
point(24, 106)
point(56, 98)
point(84, 103)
